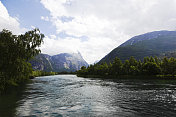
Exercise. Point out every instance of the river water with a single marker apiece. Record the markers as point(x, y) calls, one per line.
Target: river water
point(68, 95)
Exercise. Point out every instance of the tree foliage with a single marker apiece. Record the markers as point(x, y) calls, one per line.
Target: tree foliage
point(149, 66)
point(15, 52)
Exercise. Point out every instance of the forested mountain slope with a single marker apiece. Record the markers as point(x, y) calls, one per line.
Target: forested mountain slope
point(156, 43)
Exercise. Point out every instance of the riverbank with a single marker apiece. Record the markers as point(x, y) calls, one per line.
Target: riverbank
point(10, 86)
point(7, 85)
point(43, 73)
point(168, 77)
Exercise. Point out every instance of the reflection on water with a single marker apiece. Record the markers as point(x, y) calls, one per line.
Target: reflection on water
point(10, 101)
point(68, 95)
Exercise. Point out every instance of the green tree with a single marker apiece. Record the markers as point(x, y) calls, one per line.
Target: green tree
point(133, 70)
point(157, 60)
point(151, 68)
point(28, 44)
point(117, 66)
point(91, 69)
point(172, 66)
point(104, 69)
point(16, 51)
point(165, 66)
point(83, 71)
point(152, 59)
point(139, 66)
point(126, 67)
point(133, 61)
point(146, 59)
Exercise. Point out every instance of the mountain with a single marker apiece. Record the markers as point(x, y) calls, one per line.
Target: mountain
point(157, 43)
point(58, 63)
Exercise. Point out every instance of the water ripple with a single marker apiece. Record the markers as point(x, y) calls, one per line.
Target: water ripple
point(68, 95)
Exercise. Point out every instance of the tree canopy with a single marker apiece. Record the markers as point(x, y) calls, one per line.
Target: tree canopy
point(15, 52)
point(149, 66)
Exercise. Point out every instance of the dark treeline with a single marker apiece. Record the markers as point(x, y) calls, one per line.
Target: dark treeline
point(150, 66)
point(15, 53)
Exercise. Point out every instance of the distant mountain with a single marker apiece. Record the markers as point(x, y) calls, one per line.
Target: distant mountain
point(157, 43)
point(42, 62)
point(58, 63)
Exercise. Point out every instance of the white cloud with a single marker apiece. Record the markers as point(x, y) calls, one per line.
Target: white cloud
point(53, 36)
point(45, 18)
point(8, 22)
point(106, 23)
point(33, 27)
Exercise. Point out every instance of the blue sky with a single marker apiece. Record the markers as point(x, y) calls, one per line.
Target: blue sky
point(29, 13)
point(92, 28)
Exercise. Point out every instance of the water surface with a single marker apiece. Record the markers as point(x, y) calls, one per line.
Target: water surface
point(68, 95)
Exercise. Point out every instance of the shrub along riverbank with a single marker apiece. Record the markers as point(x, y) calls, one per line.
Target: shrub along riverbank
point(43, 73)
point(16, 51)
point(150, 67)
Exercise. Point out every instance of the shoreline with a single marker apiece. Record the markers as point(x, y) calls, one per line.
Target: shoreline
point(142, 77)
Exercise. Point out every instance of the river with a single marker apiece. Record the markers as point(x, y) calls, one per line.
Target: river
point(69, 95)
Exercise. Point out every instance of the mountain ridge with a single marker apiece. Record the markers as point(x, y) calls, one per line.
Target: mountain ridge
point(155, 43)
point(68, 62)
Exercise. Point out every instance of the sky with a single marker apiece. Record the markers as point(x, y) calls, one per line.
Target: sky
point(92, 27)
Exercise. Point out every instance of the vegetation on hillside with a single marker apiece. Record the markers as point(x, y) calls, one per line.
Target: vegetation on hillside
point(15, 53)
point(151, 66)
point(151, 47)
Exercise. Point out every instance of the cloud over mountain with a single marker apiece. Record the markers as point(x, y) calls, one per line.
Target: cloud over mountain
point(106, 23)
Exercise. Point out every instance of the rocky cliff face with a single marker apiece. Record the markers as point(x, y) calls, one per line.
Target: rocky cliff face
point(58, 63)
